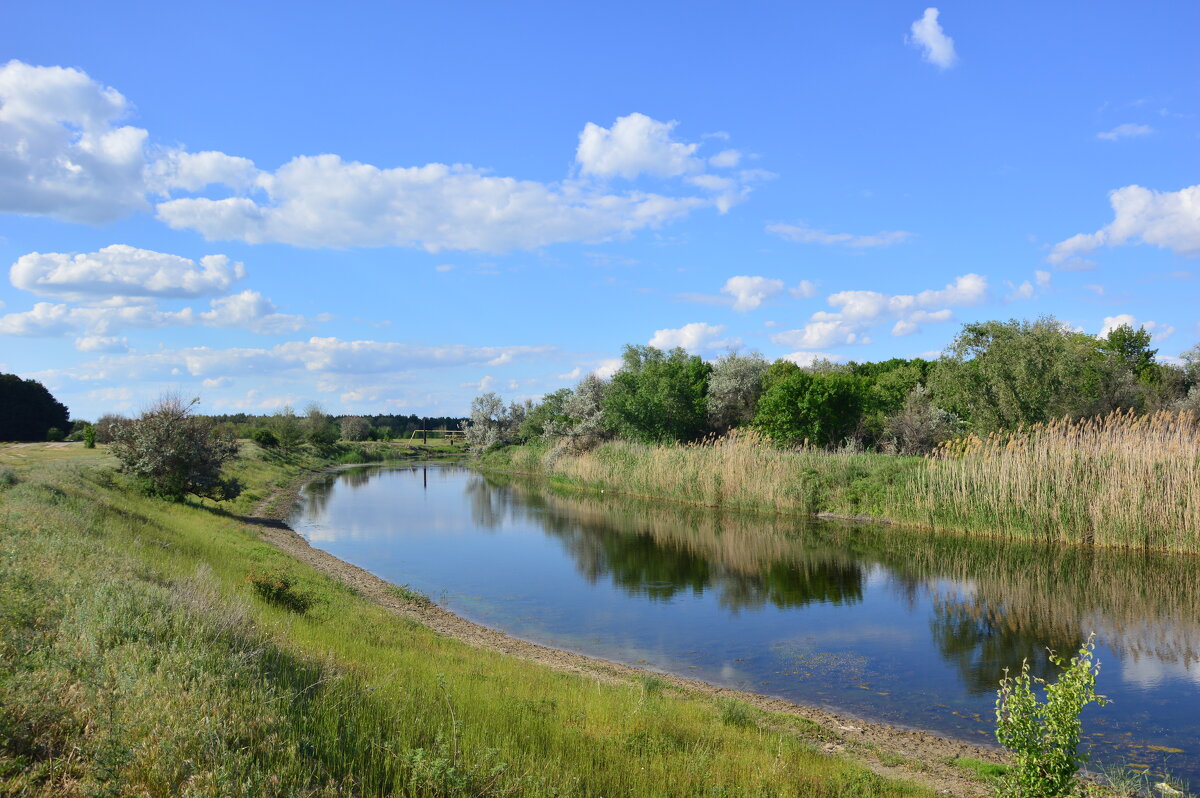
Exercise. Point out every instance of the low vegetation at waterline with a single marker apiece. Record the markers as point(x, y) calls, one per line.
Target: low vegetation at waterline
point(1044, 736)
point(1119, 480)
point(145, 649)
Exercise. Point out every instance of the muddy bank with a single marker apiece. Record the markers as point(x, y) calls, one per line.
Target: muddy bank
point(891, 751)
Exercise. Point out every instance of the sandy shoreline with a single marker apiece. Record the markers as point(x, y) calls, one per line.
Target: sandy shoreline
point(925, 756)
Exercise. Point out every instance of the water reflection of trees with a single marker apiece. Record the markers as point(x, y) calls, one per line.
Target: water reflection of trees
point(981, 641)
point(993, 603)
point(661, 554)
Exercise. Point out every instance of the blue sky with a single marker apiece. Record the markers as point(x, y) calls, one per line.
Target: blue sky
point(389, 208)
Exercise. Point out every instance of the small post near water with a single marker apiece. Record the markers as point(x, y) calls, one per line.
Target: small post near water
point(425, 432)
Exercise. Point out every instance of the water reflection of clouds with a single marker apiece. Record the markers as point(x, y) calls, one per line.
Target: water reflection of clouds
point(856, 635)
point(1149, 673)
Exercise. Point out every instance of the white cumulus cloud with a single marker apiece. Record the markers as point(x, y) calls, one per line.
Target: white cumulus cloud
point(63, 151)
point(805, 289)
point(937, 48)
point(101, 343)
point(804, 359)
point(856, 311)
point(122, 271)
point(323, 201)
point(314, 356)
point(818, 335)
point(1165, 219)
point(192, 171)
point(1158, 332)
point(750, 292)
point(635, 145)
point(694, 337)
point(248, 310)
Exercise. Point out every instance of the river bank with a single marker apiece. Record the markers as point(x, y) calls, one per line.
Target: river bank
point(143, 615)
point(1120, 481)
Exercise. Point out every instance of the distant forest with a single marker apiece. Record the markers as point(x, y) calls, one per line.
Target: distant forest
point(399, 426)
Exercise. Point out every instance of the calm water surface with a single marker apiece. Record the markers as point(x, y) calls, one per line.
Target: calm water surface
point(884, 624)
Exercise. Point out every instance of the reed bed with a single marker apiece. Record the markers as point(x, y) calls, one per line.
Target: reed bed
point(741, 470)
point(1118, 480)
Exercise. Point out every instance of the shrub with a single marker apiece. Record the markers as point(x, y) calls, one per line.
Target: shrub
point(1045, 737)
point(89, 437)
point(355, 428)
point(107, 426)
point(264, 438)
point(280, 589)
point(175, 453)
point(55, 435)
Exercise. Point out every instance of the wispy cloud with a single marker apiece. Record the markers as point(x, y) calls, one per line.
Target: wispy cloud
point(803, 234)
point(1125, 131)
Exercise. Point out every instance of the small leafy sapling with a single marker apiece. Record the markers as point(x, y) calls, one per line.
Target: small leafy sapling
point(1044, 737)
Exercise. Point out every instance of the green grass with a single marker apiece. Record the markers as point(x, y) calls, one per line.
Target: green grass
point(136, 657)
point(987, 770)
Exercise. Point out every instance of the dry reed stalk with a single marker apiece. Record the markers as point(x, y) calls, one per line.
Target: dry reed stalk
point(1120, 479)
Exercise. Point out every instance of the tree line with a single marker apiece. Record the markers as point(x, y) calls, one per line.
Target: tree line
point(996, 375)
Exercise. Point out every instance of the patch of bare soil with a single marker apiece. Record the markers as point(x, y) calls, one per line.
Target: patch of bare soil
point(891, 751)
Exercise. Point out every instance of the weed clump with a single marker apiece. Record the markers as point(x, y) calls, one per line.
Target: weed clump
point(737, 713)
point(280, 589)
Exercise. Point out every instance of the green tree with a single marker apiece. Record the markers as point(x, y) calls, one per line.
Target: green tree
point(175, 453)
point(288, 430)
point(657, 396)
point(106, 427)
point(823, 409)
point(998, 375)
point(544, 415)
point(29, 410)
point(1132, 349)
point(319, 429)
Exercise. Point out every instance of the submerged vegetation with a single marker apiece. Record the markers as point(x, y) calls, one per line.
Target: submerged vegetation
point(145, 649)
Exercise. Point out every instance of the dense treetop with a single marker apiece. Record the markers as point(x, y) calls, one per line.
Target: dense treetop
point(28, 411)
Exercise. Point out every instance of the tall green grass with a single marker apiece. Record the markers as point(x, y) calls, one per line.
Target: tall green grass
point(1120, 480)
point(136, 658)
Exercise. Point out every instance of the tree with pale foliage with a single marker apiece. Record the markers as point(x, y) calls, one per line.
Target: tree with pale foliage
point(576, 419)
point(492, 423)
point(174, 453)
point(920, 425)
point(355, 428)
point(734, 388)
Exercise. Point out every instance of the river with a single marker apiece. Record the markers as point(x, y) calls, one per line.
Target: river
point(886, 624)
